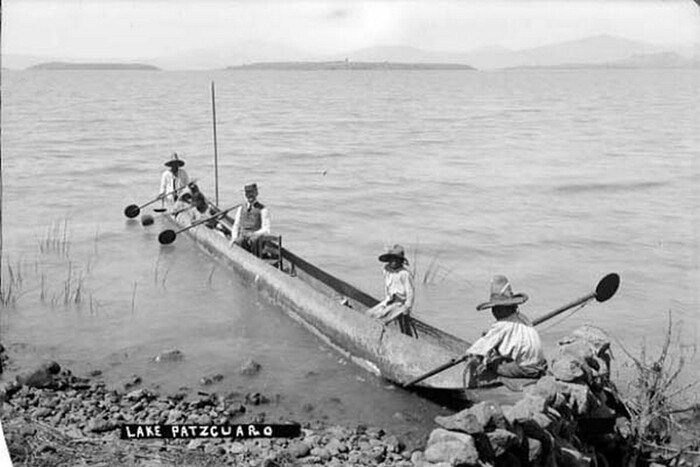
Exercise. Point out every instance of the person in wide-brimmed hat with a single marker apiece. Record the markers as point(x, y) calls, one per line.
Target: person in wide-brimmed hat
point(175, 178)
point(398, 287)
point(511, 347)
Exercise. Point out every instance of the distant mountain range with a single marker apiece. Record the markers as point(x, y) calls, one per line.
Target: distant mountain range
point(603, 50)
point(350, 65)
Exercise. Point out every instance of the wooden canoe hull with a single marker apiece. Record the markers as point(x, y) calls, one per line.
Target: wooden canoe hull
point(313, 298)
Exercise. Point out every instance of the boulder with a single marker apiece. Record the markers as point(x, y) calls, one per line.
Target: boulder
point(489, 414)
point(169, 356)
point(440, 435)
point(454, 453)
point(463, 421)
point(502, 441)
point(250, 368)
point(525, 408)
point(45, 376)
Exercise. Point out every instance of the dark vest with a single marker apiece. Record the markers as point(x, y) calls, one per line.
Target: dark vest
point(251, 220)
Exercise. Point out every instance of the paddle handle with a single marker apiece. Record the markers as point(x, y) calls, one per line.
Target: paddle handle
point(451, 363)
point(562, 309)
point(163, 196)
point(202, 221)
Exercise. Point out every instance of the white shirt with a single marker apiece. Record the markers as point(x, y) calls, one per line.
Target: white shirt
point(170, 182)
point(399, 282)
point(513, 337)
point(264, 222)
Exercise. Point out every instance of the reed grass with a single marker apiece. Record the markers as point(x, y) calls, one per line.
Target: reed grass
point(11, 287)
point(56, 240)
point(653, 394)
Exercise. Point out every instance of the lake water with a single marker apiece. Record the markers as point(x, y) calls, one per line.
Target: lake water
point(551, 177)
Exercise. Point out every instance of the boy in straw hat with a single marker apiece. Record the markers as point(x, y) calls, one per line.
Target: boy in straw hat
point(175, 178)
point(398, 287)
point(511, 347)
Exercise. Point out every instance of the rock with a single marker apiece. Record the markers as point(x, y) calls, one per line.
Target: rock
point(508, 459)
point(394, 444)
point(453, 452)
point(95, 373)
point(100, 425)
point(440, 435)
point(502, 440)
point(374, 432)
point(42, 377)
point(43, 412)
point(464, 421)
point(567, 368)
point(534, 450)
point(339, 432)
point(321, 453)
point(526, 408)
point(174, 355)
point(133, 381)
point(194, 444)
point(250, 368)
point(209, 380)
point(335, 447)
point(489, 414)
point(299, 449)
point(569, 457)
point(137, 395)
point(255, 398)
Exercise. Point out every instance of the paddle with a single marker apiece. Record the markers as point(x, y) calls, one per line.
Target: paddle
point(147, 219)
point(133, 210)
point(167, 237)
point(605, 289)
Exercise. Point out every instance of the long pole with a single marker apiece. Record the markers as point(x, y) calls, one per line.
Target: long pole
point(216, 154)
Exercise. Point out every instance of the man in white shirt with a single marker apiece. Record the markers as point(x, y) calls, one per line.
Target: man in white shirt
point(251, 221)
point(175, 178)
point(511, 347)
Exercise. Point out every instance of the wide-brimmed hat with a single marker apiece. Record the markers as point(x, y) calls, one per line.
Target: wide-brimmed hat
point(502, 294)
point(395, 251)
point(174, 160)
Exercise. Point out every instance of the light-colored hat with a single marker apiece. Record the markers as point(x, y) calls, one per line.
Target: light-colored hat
point(395, 251)
point(502, 294)
point(174, 160)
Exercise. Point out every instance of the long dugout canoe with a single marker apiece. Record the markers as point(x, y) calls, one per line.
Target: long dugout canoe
point(333, 310)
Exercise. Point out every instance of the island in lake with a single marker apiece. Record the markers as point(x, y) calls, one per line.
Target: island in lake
point(349, 65)
point(93, 66)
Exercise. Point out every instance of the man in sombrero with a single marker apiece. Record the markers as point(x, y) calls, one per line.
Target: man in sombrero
point(398, 287)
point(511, 347)
point(175, 178)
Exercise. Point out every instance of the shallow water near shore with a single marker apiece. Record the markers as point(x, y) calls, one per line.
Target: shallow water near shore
point(553, 178)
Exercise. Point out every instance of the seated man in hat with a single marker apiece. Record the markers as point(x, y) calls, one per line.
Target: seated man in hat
point(175, 178)
point(398, 287)
point(251, 221)
point(511, 347)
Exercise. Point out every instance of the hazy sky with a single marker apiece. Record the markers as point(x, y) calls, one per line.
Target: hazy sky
point(151, 28)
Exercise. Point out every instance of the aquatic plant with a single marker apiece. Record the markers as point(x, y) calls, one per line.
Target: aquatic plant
point(11, 286)
point(652, 395)
point(55, 239)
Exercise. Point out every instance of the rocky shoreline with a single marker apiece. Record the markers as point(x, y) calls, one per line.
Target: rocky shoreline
point(572, 417)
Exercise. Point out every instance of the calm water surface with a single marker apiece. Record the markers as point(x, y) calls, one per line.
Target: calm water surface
point(553, 178)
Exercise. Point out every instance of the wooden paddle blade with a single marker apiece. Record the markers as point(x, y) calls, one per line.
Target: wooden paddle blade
point(167, 237)
point(607, 287)
point(131, 211)
point(147, 220)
